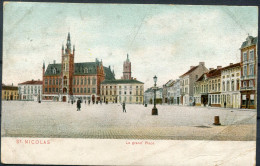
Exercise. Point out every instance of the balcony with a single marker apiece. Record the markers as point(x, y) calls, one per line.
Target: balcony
point(247, 77)
point(247, 88)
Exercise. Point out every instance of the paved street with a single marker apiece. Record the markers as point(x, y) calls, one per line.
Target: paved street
point(57, 119)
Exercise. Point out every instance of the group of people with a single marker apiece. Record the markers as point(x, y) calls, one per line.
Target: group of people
point(79, 104)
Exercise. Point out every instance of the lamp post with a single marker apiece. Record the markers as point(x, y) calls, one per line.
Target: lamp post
point(154, 110)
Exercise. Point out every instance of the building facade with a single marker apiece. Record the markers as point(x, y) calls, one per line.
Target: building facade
point(230, 94)
point(9, 92)
point(249, 73)
point(187, 81)
point(128, 91)
point(68, 80)
point(30, 90)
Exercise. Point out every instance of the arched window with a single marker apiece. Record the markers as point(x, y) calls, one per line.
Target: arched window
point(65, 81)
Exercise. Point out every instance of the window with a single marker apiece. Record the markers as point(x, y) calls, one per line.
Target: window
point(81, 81)
point(77, 90)
point(125, 93)
point(46, 81)
point(245, 56)
point(73, 90)
point(54, 71)
point(49, 89)
point(60, 81)
point(50, 82)
point(119, 92)
point(251, 54)
point(245, 70)
point(218, 86)
point(85, 90)
point(89, 81)
point(57, 90)
point(85, 81)
point(232, 85)
point(89, 91)
point(93, 90)
point(46, 90)
point(228, 86)
point(57, 81)
point(251, 69)
point(74, 82)
point(251, 83)
point(81, 90)
point(136, 99)
point(94, 81)
point(86, 70)
point(237, 84)
point(77, 81)
point(244, 84)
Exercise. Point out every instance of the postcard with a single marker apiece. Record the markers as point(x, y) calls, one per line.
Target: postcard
point(129, 84)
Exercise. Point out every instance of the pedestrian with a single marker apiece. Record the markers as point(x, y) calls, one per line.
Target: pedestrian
point(88, 102)
point(85, 101)
point(225, 104)
point(71, 101)
point(123, 105)
point(78, 105)
point(100, 102)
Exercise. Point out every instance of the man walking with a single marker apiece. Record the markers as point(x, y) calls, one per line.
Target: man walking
point(78, 105)
point(124, 110)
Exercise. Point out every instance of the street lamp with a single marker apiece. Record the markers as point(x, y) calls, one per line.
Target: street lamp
point(154, 110)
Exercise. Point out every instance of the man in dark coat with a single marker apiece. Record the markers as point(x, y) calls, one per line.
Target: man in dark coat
point(123, 105)
point(78, 105)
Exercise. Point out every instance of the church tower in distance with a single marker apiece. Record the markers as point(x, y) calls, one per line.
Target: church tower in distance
point(127, 69)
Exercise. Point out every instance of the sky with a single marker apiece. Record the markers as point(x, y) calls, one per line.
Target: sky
point(161, 40)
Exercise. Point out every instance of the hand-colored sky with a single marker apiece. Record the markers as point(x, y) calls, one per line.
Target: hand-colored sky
point(162, 40)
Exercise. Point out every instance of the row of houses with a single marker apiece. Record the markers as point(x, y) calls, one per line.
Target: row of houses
point(232, 86)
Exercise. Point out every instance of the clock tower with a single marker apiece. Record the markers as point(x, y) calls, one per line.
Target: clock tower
point(127, 69)
point(67, 67)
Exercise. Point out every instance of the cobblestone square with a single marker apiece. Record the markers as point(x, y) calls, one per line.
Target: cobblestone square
point(61, 120)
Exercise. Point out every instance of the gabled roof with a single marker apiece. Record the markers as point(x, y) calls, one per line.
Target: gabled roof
point(32, 82)
point(121, 82)
point(189, 71)
point(214, 73)
point(8, 87)
point(202, 77)
point(108, 74)
point(49, 70)
point(231, 66)
point(79, 69)
point(246, 43)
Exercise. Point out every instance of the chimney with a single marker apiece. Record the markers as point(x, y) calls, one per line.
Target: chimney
point(32, 80)
point(54, 61)
point(211, 69)
point(230, 64)
point(12, 84)
point(109, 66)
point(191, 67)
point(202, 63)
point(219, 67)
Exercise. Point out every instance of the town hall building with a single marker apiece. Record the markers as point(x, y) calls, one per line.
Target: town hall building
point(68, 81)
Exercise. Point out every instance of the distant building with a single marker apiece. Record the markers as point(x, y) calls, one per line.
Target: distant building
point(176, 92)
point(127, 69)
point(30, 90)
point(230, 76)
point(148, 96)
point(168, 92)
point(127, 89)
point(67, 80)
point(9, 92)
point(187, 81)
point(249, 61)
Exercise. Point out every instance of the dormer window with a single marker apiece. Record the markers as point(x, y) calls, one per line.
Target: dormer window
point(86, 70)
point(54, 71)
